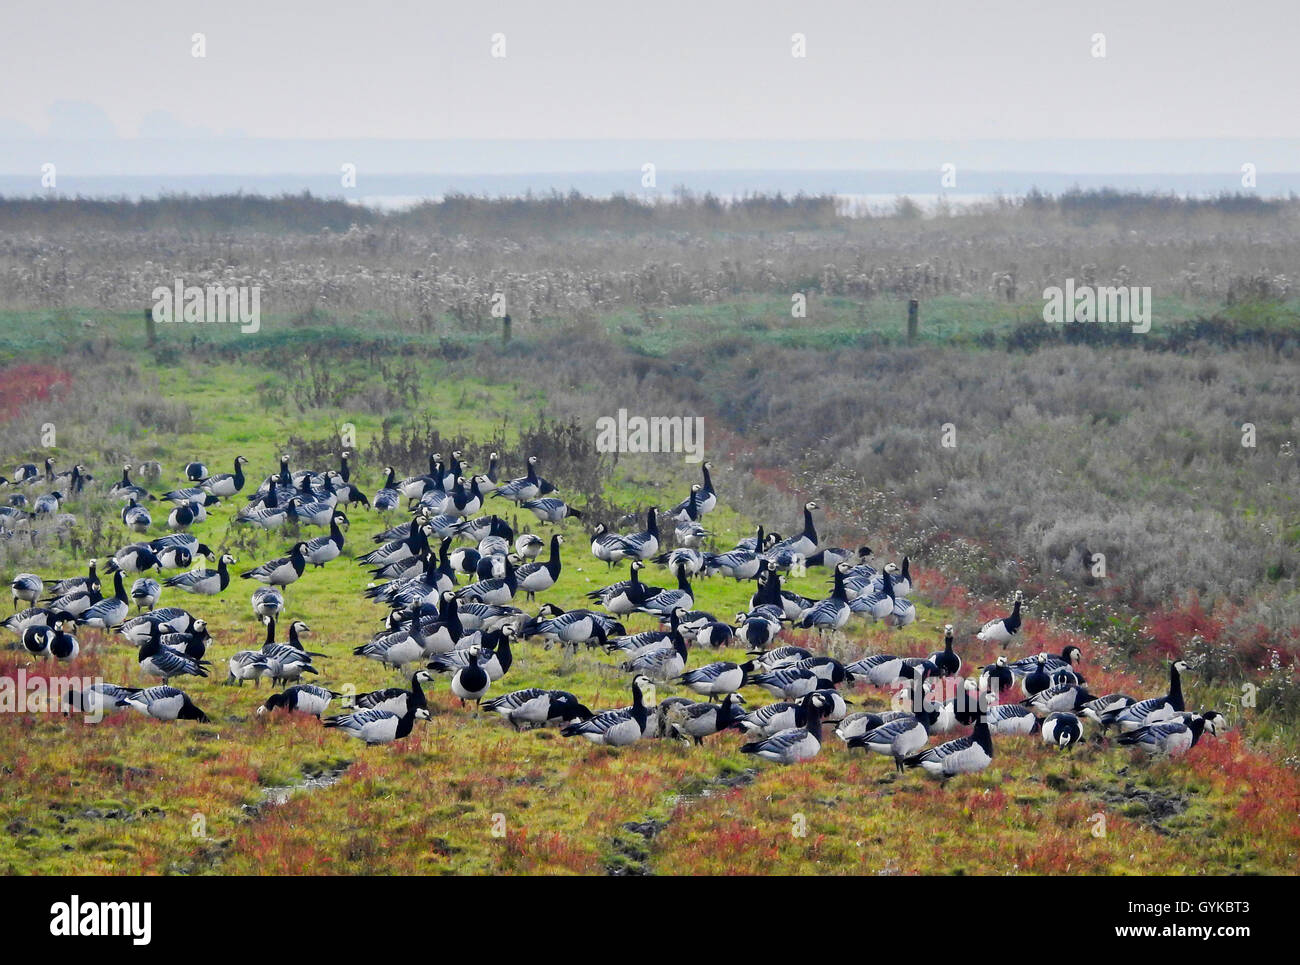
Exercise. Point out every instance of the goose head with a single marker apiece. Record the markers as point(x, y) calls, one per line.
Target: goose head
point(228, 559)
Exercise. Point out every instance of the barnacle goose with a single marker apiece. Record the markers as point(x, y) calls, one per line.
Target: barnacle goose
point(831, 613)
point(267, 601)
point(134, 558)
point(625, 596)
point(1103, 711)
point(855, 725)
point(805, 544)
point(696, 721)
point(1062, 729)
point(756, 633)
point(187, 514)
point(1011, 719)
point(604, 545)
point(550, 509)
point(163, 703)
point(63, 643)
point(1065, 696)
point(193, 643)
point(125, 490)
point(68, 585)
point(145, 593)
point(322, 549)
point(529, 546)
point(247, 665)
point(226, 484)
point(389, 497)
point(571, 627)
point(287, 661)
point(538, 577)
point(307, 698)
point(784, 656)
point(788, 682)
point(204, 582)
point(397, 648)
point(643, 545)
point(947, 662)
point(525, 488)
point(886, 669)
point(1175, 736)
point(997, 676)
point(178, 550)
point(1003, 629)
point(664, 601)
point(618, 728)
point(138, 629)
point(195, 471)
point(723, 677)
point(161, 661)
point(281, 571)
point(536, 707)
point(494, 655)
point(714, 633)
point(97, 699)
point(135, 517)
point(77, 601)
point(965, 755)
point(392, 699)
point(376, 726)
point(663, 661)
point(877, 604)
point(472, 681)
point(899, 739)
point(1155, 710)
point(28, 587)
point(109, 612)
point(797, 743)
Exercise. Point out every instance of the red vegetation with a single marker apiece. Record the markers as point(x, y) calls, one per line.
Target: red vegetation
point(21, 385)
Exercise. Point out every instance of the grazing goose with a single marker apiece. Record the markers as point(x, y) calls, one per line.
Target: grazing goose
point(797, 743)
point(1066, 696)
point(135, 558)
point(1011, 719)
point(306, 698)
point(322, 549)
point(48, 505)
point(145, 593)
point(161, 661)
point(965, 755)
point(195, 471)
point(28, 587)
point(886, 669)
point(187, 495)
point(899, 739)
point(696, 721)
point(376, 726)
point(27, 473)
point(685, 558)
point(535, 707)
point(31, 617)
point(715, 679)
point(109, 612)
point(481, 528)
point(1155, 710)
point(281, 571)
point(396, 648)
point(529, 546)
point(1175, 736)
point(550, 509)
point(267, 601)
point(178, 550)
point(193, 643)
point(714, 634)
point(135, 517)
point(855, 725)
point(226, 484)
point(1062, 729)
point(947, 662)
point(204, 582)
point(494, 655)
point(163, 703)
point(1103, 711)
point(497, 591)
point(643, 545)
point(271, 516)
point(97, 699)
point(740, 563)
point(833, 556)
point(571, 627)
point(997, 676)
point(617, 728)
point(1003, 629)
point(393, 699)
point(187, 514)
point(536, 578)
point(785, 656)
point(756, 633)
point(772, 719)
point(139, 629)
point(831, 613)
point(247, 665)
point(36, 639)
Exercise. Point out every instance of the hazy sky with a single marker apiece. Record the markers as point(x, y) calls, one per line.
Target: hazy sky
point(663, 69)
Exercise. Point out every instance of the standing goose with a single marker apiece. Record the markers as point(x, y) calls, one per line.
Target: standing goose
point(376, 726)
point(833, 612)
point(145, 593)
point(625, 596)
point(471, 682)
point(393, 699)
point(495, 655)
point(946, 660)
point(550, 509)
point(604, 545)
point(715, 679)
point(529, 546)
point(204, 582)
point(281, 571)
point(663, 662)
point(126, 490)
point(389, 496)
point(965, 755)
point(68, 585)
point(1011, 719)
point(110, 612)
point(643, 545)
point(267, 601)
point(135, 517)
point(536, 707)
point(1155, 710)
point(539, 577)
point(525, 487)
point(163, 703)
point(791, 683)
point(805, 544)
point(1053, 663)
point(226, 484)
point(617, 728)
point(161, 661)
point(899, 739)
point(695, 721)
point(797, 743)
point(1003, 629)
point(706, 499)
point(1038, 679)
point(28, 587)
point(498, 591)
point(997, 677)
point(662, 602)
point(1103, 711)
point(322, 549)
point(1175, 736)
point(77, 601)
point(187, 514)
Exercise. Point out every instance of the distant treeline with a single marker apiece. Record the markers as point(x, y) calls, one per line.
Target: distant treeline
point(463, 213)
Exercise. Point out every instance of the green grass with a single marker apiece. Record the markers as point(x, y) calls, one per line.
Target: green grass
point(466, 794)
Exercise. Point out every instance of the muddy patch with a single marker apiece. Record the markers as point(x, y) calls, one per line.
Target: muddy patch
point(1151, 807)
point(312, 780)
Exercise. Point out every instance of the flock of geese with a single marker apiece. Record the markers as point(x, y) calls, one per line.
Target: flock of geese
point(449, 579)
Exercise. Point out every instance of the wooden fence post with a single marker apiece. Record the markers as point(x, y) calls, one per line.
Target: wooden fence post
point(913, 322)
